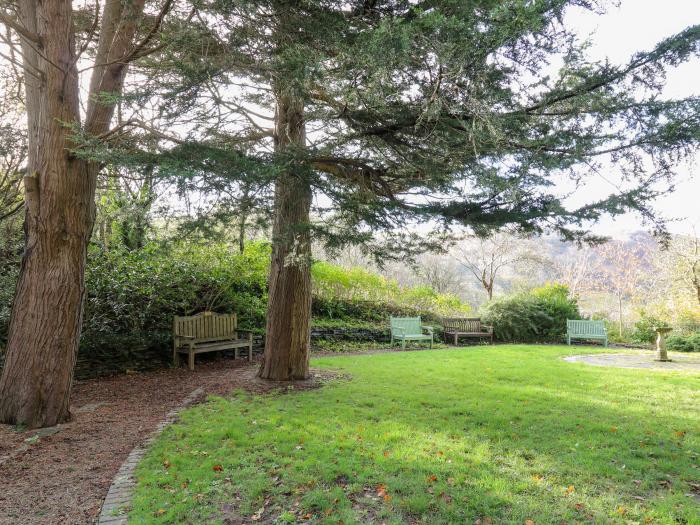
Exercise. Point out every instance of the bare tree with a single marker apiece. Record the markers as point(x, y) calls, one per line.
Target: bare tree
point(487, 258)
point(440, 273)
point(574, 269)
point(622, 269)
point(686, 270)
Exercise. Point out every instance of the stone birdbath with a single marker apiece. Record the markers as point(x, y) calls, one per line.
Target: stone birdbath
point(661, 353)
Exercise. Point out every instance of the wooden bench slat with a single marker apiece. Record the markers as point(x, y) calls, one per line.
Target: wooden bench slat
point(467, 327)
point(207, 332)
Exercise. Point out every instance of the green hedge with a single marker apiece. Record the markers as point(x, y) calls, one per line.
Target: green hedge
point(684, 343)
point(132, 296)
point(537, 316)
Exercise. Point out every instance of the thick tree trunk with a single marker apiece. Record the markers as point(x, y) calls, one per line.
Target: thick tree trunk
point(44, 330)
point(47, 310)
point(287, 337)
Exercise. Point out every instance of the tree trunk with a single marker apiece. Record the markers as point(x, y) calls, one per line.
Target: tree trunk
point(619, 310)
point(287, 338)
point(59, 213)
point(44, 330)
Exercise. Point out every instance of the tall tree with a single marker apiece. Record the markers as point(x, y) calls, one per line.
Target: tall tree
point(371, 117)
point(60, 186)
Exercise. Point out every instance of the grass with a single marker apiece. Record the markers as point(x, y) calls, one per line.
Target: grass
point(496, 435)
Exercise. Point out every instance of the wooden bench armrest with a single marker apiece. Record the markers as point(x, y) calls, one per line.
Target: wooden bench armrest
point(185, 337)
point(428, 328)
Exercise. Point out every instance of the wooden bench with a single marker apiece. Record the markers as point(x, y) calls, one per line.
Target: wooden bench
point(466, 327)
point(410, 329)
point(208, 332)
point(584, 329)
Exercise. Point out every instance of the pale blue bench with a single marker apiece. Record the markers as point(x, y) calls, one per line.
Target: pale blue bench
point(410, 329)
point(584, 329)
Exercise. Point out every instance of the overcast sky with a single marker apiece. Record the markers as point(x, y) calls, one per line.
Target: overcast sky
point(634, 26)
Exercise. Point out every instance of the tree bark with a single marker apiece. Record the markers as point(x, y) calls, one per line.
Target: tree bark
point(44, 330)
point(287, 338)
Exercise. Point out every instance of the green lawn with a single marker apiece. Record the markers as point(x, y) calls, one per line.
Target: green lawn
point(501, 434)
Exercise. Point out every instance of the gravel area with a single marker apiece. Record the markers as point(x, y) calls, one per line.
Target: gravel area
point(640, 359)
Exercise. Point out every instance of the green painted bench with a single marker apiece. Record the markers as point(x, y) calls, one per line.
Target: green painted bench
point(584, 329)
point(410, 329)
point(208, 332)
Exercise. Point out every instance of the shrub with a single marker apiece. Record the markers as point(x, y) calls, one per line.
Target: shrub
point(358, 293)
point(645, 328)
point(536, 316)
point(684, 343)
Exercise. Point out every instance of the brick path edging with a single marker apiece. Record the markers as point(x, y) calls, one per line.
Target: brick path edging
point(116, 504)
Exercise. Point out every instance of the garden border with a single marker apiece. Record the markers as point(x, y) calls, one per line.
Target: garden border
point(116, 504)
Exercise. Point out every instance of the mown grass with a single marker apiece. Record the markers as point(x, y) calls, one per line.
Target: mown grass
point(501, 434)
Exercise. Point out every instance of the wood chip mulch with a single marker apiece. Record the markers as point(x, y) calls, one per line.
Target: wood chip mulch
point(61, 475)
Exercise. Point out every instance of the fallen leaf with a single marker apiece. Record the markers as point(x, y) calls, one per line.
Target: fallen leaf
point(621, 510)
point(529, 522)
point(613, 429)
point(166, 463)
point(159, 512)
point(570, 489)
point(432, 478)
point(387, 498)
point(578, 506)
point(537, 478)
point(307, 516)
point(386, 453)
point(217, 468)
point(680, 434)
point(258, 515)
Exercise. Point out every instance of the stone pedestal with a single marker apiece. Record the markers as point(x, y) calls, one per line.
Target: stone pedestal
point(661, 353)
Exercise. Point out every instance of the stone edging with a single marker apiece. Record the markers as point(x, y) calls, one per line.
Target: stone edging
point(116, 504)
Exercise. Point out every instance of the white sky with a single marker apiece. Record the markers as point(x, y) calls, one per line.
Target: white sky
point(638, 25)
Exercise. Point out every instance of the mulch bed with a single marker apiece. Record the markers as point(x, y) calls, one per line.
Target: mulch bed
point(61, 475)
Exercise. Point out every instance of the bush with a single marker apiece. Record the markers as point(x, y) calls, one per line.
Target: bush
point(533, 317)
point(132, 297)
point(358, 293)
point(684, 343)
point(645, 328)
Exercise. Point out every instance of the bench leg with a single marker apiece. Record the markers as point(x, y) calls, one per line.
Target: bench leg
point(190, 359)
point(403, 344)
point(456, 338)
point(431, 340)
point(235, 353)
point(176, 357)
point(250, 347)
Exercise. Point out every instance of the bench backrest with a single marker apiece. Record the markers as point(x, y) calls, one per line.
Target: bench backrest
point(462, 324)
point(585, 327)
point(205, 325)
point(406, 326)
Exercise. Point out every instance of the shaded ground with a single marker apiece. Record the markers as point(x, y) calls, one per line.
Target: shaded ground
point(639, 360)
point(61, 475)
